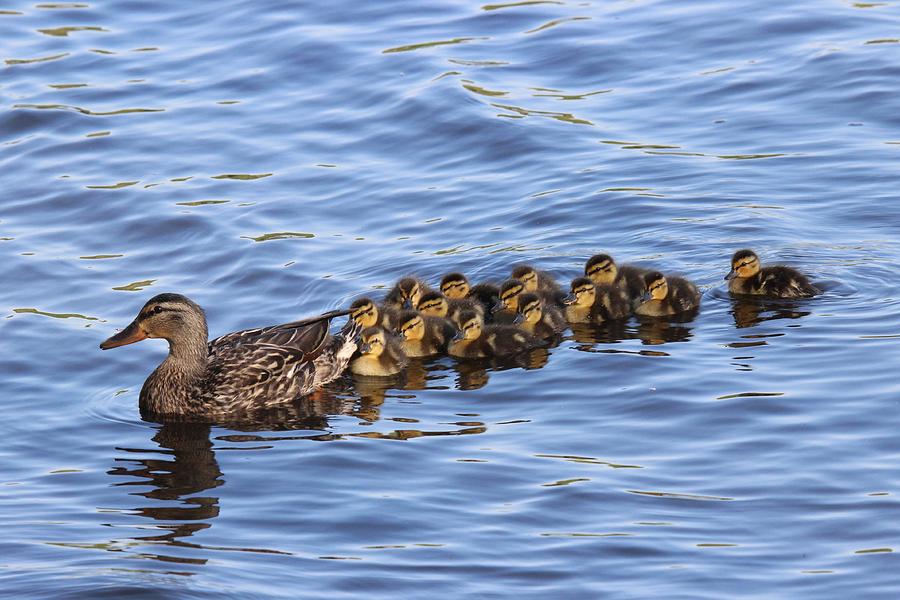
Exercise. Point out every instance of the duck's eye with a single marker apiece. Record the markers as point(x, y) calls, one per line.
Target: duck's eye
point(156, 310)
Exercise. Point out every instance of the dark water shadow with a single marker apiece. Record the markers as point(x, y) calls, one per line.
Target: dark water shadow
point(749, 311)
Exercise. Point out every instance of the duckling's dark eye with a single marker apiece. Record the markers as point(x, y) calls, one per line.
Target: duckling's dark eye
point(156, 310)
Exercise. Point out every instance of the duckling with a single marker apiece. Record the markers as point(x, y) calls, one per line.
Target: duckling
point(539, 320)
point(380, 355)
point(436, 304)
point(477, 340)
point(539, 282)
point(667, 296)
point(747, 277)
point(368, 314)
point(405, 294)
point(456, 287)
point(589, 302)
point(602, 270)
point(504, 311)
point(424, 335)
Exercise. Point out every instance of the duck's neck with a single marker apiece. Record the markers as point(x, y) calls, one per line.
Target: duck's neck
point(172, 387)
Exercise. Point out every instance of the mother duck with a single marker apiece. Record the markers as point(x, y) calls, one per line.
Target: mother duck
point(238, 372)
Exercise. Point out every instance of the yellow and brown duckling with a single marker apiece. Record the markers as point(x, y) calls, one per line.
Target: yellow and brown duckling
point(477, 340)
point(424, 335)
point(436, 304)
point(776, 281)
point(539, 282)
point(603, 270)
point(537, 319)
point(368, 314)
point(666, 296)
point(457, 287)
point(405, 294)
point(589, 302)
point(235, 373)
point(380, 354)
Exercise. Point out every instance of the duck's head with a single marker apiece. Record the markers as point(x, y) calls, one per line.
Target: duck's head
point(744, 263)
point(410, 291)
point(455, 285)
point(657, 286)
point(528, 275)
point(434, 304)
point(172, 317)
point(411, 325)
point(372, 341)
point(530, 309)
point(582, 294)
point(601, 268)
point(470, 324)
point(510, 290)
point(365, 312)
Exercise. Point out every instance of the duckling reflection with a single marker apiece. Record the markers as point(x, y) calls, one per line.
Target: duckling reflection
point(654, 331)
point(753, 310)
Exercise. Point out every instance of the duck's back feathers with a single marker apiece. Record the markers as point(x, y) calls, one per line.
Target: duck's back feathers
point(683, 295)
point(786, 282)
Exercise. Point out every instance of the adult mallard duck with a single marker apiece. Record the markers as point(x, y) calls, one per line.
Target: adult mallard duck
point(747, 277)
point(238, 372)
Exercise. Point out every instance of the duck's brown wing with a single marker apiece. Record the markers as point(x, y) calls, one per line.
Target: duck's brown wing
point(307, 335)
point(258, 373)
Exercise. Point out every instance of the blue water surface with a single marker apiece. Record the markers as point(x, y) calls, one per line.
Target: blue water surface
point(273, 160)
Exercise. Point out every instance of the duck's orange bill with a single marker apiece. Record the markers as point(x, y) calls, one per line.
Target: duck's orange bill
point(131, 334)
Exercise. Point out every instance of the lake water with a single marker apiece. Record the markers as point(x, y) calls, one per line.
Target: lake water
point(273, 160)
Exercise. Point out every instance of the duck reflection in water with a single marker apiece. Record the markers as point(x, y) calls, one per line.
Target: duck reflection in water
point(749, 311)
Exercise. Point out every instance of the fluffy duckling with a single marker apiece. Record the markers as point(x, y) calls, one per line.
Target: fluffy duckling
point(423, 335)
point(405, 294)
point(539, 320)
point(380, 355)
point(667, 296)
point(477, 340)
point(747, 277)
point(436, 304)
point(539, 282)
point(603, 270)
point(368, 314)
point(456, 287)
point(589, 302)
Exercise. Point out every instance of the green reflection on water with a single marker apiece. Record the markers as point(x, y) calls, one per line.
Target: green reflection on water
point(280, 235)
point(413, 47)
point(65, 31)
point(135, 286)
point(34, 311)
